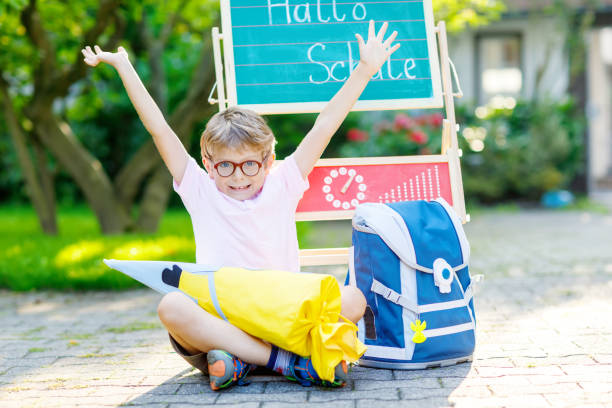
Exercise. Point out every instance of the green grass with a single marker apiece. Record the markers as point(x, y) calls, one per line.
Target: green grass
point(581, 203)
point(72, 260)
point(585, 204)
point(30, 259)
point(136, 326)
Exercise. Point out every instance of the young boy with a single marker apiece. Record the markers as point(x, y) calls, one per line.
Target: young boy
point(243, 214)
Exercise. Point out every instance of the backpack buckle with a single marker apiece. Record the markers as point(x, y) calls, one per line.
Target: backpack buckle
point(392, 296)
point(443, 275)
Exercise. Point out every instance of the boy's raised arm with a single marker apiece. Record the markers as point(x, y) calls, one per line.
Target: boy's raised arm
point(168, 144)
point(372, 55)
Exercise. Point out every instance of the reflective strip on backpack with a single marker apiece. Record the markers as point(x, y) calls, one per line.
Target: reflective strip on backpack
point(443, 331)
point(435, 307)
point(392, 353)
point(403, 301)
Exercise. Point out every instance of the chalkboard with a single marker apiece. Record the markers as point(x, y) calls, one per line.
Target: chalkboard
point(285, 56)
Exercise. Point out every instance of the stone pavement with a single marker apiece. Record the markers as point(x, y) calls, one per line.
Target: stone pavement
point(544, 336)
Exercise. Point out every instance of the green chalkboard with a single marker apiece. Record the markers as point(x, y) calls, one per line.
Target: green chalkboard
point(293, 55)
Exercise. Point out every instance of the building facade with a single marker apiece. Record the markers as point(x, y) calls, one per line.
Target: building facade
point(525, 55)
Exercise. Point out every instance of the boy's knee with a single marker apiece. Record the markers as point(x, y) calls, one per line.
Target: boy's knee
point(171, 308)
point(353, 303)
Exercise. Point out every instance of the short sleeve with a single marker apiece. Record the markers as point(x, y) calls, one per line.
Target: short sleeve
point(193, 184)
point(295, 184)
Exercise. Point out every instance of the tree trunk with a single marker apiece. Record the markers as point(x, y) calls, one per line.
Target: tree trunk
point(131, 175)
point(44, 204)
point(46, 176)
point(85, 169)
point(155, 200)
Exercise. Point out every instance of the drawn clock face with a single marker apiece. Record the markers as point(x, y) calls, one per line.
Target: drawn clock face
point(344, 188)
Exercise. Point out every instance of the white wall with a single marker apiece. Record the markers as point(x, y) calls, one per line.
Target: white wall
point(599, 110)
point(540, 37)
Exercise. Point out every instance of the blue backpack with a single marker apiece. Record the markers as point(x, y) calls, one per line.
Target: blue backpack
point(410, 259)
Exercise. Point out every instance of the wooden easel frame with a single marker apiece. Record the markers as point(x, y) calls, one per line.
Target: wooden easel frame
point(450, 152)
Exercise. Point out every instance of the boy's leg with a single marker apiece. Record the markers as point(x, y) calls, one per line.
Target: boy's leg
point(198, 331)
point(353, 303)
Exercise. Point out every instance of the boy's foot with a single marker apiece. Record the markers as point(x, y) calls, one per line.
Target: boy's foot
point(302, 371)
point(225, 370)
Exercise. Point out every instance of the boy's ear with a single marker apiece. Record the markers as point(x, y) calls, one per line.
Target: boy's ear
point(269, 162)
point(208, 166)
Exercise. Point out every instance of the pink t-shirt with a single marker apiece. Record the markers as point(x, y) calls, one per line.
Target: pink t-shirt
point(258, 233)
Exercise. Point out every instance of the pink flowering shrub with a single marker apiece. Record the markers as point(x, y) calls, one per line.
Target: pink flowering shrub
point(396, 134)
point(357, 135)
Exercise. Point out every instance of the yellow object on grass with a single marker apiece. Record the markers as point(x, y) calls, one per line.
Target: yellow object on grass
point(298, 312)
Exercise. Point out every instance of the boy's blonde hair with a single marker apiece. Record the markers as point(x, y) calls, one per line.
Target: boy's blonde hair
point(236, 128)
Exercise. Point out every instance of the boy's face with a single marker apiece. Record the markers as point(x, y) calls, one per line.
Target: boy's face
point(238, 185)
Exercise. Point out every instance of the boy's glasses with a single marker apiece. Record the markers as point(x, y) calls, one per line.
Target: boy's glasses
point(249, 168)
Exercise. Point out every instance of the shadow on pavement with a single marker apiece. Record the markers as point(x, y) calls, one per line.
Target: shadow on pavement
point(378, 386)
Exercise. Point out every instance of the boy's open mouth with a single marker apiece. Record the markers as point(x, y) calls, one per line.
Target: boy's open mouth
point(240, 187)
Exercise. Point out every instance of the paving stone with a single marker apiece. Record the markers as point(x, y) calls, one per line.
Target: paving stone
point(289, 386)
point(366, 373)
point(460, 371)
point(197, 405)
point(149, 398)
point(195, 389)
point(422, 393)
point(231, 397)
point(499, 371)
point(326, 404)
point(603, 370)
point(523, 401)
point(478, 391)
point(560, 388)
point(332, 395)
point(496, 362)
point(577, 398)
point(597, 386)
point(427, 382)
point(423, 403)
point(602, 358)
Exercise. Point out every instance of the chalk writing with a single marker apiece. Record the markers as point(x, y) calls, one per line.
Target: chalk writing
point(301, 12)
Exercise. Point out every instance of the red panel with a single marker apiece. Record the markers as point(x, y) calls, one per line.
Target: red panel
point(374, 183)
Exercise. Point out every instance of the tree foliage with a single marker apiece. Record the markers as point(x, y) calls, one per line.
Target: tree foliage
point(68, 122)
point(50, 102)
point(462, 14)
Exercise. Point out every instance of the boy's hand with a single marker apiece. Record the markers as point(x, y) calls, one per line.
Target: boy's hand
point(375, 52)
point(94, 58)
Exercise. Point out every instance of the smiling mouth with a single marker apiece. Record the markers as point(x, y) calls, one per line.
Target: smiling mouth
point(240, 188)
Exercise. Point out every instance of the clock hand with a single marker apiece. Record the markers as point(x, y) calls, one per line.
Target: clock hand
point(347, 184)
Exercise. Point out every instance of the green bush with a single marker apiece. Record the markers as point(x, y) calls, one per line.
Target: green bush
point(510, 150)
point(521, 151)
